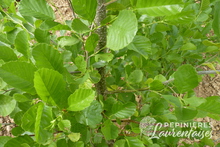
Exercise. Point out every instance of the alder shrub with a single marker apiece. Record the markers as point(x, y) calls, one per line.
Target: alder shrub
point(126, 64)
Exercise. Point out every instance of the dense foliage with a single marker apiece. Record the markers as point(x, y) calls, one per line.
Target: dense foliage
point(50, 81)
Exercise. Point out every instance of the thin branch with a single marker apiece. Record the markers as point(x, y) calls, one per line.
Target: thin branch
point(5, 91)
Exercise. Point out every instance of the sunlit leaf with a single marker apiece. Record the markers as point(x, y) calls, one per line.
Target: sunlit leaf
point(159, 7)
point(46, 56)
point(7, 105)
point(22, 44)
point(50, 86)
point(19, 75)
point(122, 31)
point(185, 78)
point(7, 54)
point(80, 99)
point(39, 9)
point(86, 9)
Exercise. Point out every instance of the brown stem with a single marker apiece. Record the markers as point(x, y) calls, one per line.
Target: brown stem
point(102, 32)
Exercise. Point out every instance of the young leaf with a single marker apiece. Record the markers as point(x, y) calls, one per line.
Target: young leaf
point(36, 8)
point(7, 105)
point(216, 21)
point(50, 86)
point(80, 99)
point(90, 116)
point(64, 125)
point(47, 57)
point(86, 9)
point(188, 46)
point(4, 140)
point(7, 54)
point(141, 45)
point(74, 137)
point(79, 26)
point(110, 130)
point(22, 44)
point(136, 76)
point(19, 75)
point(67, 41)
point(159, 7)
point(122, 31)
point(185, 78)
point(105, 57)
point(123, 111)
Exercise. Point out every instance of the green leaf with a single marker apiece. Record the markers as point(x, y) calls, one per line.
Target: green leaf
point(122, 31)
point(79, 26)
point(36, 119)
point(7, 54)
point(159, 7)
point(188, 46)
point(81, 63)
point(38, 9)
point(64, 125)
point(43, 119)
point(194, 101)
point(205, 4)
point(123, 111)
point(156, 85)
point(18, 141)
point(19, 75)
point(17, 131)
point(110, 130)
point(134, 142)
point(145, 109)
point(105, 57)
point(47, 57)
point(84, 8)
point(4, 41)
point(136, 76)
point(42, 36)
point(90, 116)
point(29, 118)
point(216, 21)
point(22, 44)
point(175, 101)
point(185, 78)
point(91, 42)
point(20, 97)
point(95, 76)
point(211, 105)
point(141, 45)
point(185, 113)
point(74, 137)
point(50, 86)
point(80, 99)
point(184, 17)
point(7, 105)
point(4, 140)
point(67, 41)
